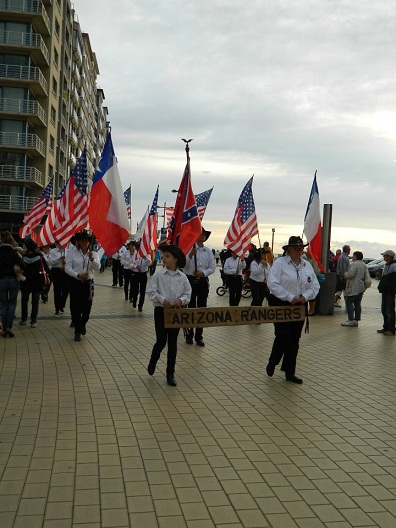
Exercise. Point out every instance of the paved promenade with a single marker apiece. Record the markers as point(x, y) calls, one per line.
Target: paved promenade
point(88, 439)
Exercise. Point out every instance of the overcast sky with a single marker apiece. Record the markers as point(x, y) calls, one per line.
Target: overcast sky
point(274, 89)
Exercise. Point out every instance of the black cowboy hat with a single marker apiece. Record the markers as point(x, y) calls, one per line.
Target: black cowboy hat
point(206, 233)
point(83, 235)
point(176, 252)
point(294, 241)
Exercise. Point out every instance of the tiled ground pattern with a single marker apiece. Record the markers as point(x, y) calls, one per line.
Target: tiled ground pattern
point(88, 439)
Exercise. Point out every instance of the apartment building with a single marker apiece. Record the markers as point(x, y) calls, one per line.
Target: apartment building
point(50, 104)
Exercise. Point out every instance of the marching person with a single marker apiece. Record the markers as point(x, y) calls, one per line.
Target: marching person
point(80, 266)
point(168, 288)
point(45, 291)
point(11, 266)
point(140, 266)
point(127, 257)
point(233, 267)
point(259, 270)
point(36, 271)
point(291, 281)
point(60, 280)
point(116, 268)
point(200, 263)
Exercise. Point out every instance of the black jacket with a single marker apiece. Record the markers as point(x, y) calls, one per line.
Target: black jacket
point(34, 262)
point(9, 257)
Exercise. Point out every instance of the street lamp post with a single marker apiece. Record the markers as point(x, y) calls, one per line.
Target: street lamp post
point(272, 243)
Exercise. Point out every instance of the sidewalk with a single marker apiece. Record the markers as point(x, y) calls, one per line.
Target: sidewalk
point(89, 439)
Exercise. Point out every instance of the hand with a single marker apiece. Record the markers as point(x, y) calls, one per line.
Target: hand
point(177, 304)
point(83, 276)
point(193, 252)
point(166, 304)
point(198, 274)
point(298, 299)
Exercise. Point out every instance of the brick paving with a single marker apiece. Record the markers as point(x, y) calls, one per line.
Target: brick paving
point(88, 439)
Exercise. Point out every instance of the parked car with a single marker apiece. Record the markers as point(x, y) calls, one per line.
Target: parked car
point(367, 260)
point(375, 268)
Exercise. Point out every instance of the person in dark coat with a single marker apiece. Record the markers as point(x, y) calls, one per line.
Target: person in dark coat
point(10, 262)
point(36, 271)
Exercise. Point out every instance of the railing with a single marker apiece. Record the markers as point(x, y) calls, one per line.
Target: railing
point(27, 141)
point(30, 40)
point(10, 172)
point(17, 203)
point(22, 106)
point(26, 6)
point(24, 73)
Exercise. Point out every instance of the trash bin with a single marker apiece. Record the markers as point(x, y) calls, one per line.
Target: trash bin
point(325, 299)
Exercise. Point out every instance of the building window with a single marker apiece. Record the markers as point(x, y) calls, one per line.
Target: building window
point(53, 116)
point(52, 145)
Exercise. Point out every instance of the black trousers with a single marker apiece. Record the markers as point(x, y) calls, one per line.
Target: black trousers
point(60, 281)
point(199, 299)
point(128, 281)
point(287, 340)
point(259, 292)
point(234, 283)
point(164, 336)
point(139, 284)
point(118, 273)
point(81, 295)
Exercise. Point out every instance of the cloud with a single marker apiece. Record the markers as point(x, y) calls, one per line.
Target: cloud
point(277, 90)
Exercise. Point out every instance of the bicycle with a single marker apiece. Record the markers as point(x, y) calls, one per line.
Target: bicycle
point(223, 289)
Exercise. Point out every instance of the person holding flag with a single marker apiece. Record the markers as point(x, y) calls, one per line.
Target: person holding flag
point(80, 265)
point(200, 263)
point(291, 281)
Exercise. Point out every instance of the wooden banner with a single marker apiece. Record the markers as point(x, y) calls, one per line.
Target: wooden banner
point(231, 316)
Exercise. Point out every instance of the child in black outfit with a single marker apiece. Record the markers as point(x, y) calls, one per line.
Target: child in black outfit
point(169, 287)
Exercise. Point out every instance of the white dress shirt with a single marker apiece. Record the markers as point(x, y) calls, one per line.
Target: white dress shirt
point(234, 266)
point(259, 271)
point(287, 280)
point(55, 258)
point(141, 264)
point(205, 262)
point(78, 264)
point(169, 285)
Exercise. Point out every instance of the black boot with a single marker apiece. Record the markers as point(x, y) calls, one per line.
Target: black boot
point(171, 380)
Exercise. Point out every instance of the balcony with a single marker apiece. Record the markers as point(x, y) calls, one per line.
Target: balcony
point(21, 107)
point(73, 137)
point(17, 203)
point(11, 41)
point(29, 143)
point(27, 11)
point(30, 76)
point(10, 173)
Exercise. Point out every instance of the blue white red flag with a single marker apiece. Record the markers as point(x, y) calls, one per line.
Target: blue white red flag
point(202, 200)
point(108, 217)
point(69, 213)
point(127, 198)
point(244, 225)
point(149, 239)
point(313, 225)
point(185, 225)
point(33, 218)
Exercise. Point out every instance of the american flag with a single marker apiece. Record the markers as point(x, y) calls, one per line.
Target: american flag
point(202, 200)
point(33, 218)
point(168, 215)
point(127, 198)
point(149, 239)
point(185, 225)
point(69, 213)
point(244, 225)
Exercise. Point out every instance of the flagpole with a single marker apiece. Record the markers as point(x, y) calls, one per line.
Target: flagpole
point(130, 205)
